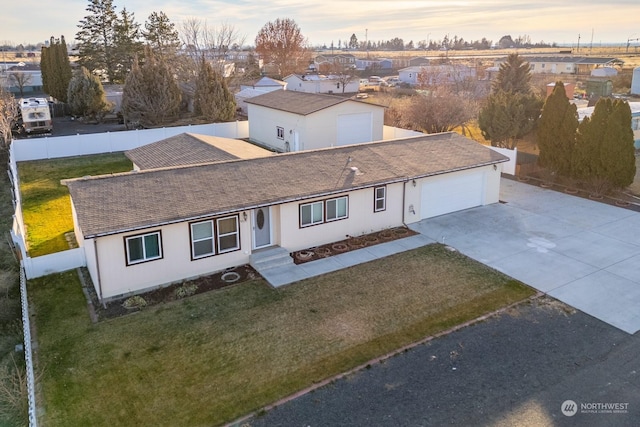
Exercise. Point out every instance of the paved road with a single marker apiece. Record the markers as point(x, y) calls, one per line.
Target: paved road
point(515, 369)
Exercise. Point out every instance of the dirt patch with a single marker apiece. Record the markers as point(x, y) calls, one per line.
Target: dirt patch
point(350, 244)
point(185, 289)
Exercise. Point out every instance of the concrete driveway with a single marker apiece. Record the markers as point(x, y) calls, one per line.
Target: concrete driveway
point(581, 252)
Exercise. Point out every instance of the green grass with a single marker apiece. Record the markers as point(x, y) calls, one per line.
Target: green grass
point(45, 202)
point(214, 357)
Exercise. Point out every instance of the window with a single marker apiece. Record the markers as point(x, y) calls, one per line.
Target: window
point(324, 211)
point(379, 199)
point(228, 234)
point(213, 237)
point(337, 208)
point(202, 239)
point(311, 213)
point(280, 132)
point(144, 247)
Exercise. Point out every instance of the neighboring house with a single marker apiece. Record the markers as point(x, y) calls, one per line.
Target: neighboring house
point(318, 83)
point(146, 229)
point(265, 84)
point(249, 90)
point(436, 74)
point(580, 65)
point(374, 64)
point(192, 149)
point(342, 60)
point(285, 120)
point(418, 61)
point(635, 119)
point(29, 77)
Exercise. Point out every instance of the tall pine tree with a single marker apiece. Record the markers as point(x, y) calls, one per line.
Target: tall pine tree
point(556, 134)
point(512, 110)
point(96, 39)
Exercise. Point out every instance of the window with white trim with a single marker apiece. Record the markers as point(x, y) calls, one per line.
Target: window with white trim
point(280, 132)
point(336, 208)
point(143, 247)
point(202, 242)
point(379, 199)
point(311, 213)
point(228, 234)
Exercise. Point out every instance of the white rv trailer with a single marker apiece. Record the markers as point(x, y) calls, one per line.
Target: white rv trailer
point(36, 116)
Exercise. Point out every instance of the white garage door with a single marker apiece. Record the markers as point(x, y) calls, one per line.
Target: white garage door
point(451, 193)
point(354, 128)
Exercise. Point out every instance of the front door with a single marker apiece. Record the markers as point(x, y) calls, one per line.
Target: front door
point(261, 228)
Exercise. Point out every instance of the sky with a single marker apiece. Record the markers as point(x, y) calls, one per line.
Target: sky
point(326, 21)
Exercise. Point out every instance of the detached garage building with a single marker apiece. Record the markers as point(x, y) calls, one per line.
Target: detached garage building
point(294, 121)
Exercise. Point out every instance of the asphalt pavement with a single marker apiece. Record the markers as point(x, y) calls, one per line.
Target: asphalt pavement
point(518, 368)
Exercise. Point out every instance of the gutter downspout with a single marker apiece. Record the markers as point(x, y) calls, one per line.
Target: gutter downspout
point(404, 195)
point(95, 244)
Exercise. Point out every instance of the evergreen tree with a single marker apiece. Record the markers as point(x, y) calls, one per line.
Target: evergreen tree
point(127, 45)
point(86, 96)
point(213, 100)
point(618, 152)
point(556, 134)
point(514, 76)
point(161, 35)
point(96, 39)
point(56, 69)
point(512, 110)
point(151, 94)
point(507, 117)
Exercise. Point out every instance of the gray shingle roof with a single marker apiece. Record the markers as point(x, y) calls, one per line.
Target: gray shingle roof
point(137, 200)
point(301, 103)
point(191, 149)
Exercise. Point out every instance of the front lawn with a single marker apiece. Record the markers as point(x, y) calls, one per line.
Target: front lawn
point(46, 205)
point(214, 357)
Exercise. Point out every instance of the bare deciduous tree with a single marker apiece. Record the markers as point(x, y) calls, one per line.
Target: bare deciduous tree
point(20, 79)
point(282, 44)
point(8, 115)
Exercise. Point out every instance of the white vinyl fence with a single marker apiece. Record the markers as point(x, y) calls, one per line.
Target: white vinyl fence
point(510, 166)
point(28, 350)
point(110, 142)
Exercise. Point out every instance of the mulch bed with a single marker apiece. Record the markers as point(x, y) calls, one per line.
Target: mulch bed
point(219, 280)
point(350, 244)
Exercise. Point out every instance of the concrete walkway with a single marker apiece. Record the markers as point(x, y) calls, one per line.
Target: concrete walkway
point(283, 275)
point(581, 252)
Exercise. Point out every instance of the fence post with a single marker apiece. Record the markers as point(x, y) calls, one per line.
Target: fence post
point(28, 351)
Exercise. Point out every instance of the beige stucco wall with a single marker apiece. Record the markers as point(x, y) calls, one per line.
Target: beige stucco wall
point(116, 278)
point(317, 130)
point(362, 219)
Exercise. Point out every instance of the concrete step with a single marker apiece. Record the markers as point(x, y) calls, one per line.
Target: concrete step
point(269, 258)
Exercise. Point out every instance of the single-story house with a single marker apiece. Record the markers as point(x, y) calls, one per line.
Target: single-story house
point(192, 149)
point(581, 65)
point(319, 83)
point(374, 64)
point(286, 120)
point(146, 229)
point(436, 74)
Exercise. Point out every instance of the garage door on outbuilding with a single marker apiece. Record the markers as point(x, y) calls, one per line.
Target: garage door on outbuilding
point(452, 192)
point(354, 128)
